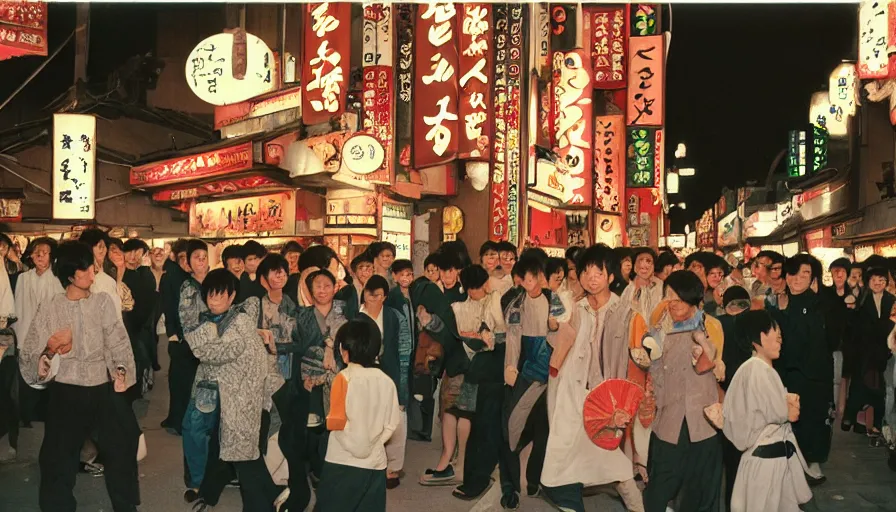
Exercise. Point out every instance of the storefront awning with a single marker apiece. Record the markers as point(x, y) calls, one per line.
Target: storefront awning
point(877, 223)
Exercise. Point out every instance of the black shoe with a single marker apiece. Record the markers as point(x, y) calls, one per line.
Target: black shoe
point(392, 483)
point(859, 429)
point(510, 501)
point(845, 426)
point(201, 506)
point(191, 495)
point(156, 367)
point(532, 491)
point(815, 482)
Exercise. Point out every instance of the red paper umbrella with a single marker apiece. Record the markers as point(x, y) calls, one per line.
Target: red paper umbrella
point(608, 409)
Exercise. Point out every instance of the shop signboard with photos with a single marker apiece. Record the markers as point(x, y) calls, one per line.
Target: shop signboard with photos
point(325, 64)
point(268, 215)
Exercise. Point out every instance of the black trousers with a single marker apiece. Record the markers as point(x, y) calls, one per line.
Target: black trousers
point(861, 395)
point(293, 444)
point(9, 406)
point(181, 372)
point(257, 489)
point(731, 460)
point(32, 402)
point(420, 414)
point(813, 430)
point(487, 446)
point(350, 489)
point(695, 469)
point(72, 413)
point(536, 432)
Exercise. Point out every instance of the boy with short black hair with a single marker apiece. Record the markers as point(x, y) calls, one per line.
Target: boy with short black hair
point(234, 259)
point(353, 296)
point(430, 267)
point(364, 414)
point(383, 254)
point(449, 270)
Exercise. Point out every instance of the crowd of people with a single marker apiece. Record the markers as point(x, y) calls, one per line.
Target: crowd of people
point(295, 377)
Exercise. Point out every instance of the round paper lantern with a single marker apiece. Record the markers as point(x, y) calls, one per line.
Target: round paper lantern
point(209, 70)
point(826, 115)
point(363, 154)
point(843, 88)
point(609, 408)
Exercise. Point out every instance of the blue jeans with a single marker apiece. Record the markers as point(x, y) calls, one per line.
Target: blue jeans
point(197, 429)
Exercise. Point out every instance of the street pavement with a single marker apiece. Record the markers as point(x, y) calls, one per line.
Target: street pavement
point(858, 476)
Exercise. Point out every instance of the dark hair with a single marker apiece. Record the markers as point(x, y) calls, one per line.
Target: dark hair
point(364, 257)
point(555, 265)
point(840, 263)
point(91, 237)
point(219, 281)
point(449, 260)
point(135, 244)
point(686, 285)
point(528, 265)
point(793, 264)
point(875, 260)
point(751, 325)
point(574, 253)
point(233, 252)
point(253, 248)
point(291, 246)
point(488, 246)
point(473, 277)
point(377, 282)
point(318, 256)
point(114, 242)
point(5, 238)
point(600, 256)
point(43, 240)
point(817, 267)
point(179, 246)
point(734, 293)
point(459, 249)
point(399, 265)
point(194, 245)
point(270, 263)
point(362, 340)
point(505, 246)
point(376, 248)
point(624, 252)
point(71, 257)
point(715, 261)
point(537, 253)
point(699, 257)
point(665, 259)
point(876, 271)
point(644, 250)
point(309, 280)
point(767, 254)
point(857, 265)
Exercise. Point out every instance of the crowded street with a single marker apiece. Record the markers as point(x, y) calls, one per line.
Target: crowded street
point(447, 256)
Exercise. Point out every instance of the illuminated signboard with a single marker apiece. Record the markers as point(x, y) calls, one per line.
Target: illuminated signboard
point(378, 88)
point(74, 166)
point(874, 18)
point(609, 162)
point(325, 66)
point(498, 222)
point(807, 151)
point(796, 153)
point(609, 41)
point(217, 162)
point(476, 66)
point(644, 19)
point(513, 119)
point(210, 74)
point(273, 214)
point(572, 123)
point(227, 115)
point(645, 81)
point(563, 27)
point(824, 114)
point(217, 188)
point(642, 163)
point(705, 228)
point(819, 148)
point(436, 64)
point(23, 29)
point(843, 88)
point(397, 228)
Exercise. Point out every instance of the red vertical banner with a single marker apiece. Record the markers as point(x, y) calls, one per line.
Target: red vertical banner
point(646, 81)
point(476, 68)
point(609, 45)
point(436, 83)
point(514, 114)
point(326, 60)
point(378, 94)
point(572, 124)
point(498, 219)
point(609, 162)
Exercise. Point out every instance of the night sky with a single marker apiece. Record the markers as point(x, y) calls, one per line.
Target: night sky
point(738, 78)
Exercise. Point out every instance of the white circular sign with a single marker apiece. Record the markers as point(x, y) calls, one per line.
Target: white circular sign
point(209, 70)
point(363, 154)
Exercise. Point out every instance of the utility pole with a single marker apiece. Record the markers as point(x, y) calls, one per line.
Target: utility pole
point(82, 49)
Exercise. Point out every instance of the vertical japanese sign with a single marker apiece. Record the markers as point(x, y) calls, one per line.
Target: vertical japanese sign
point(873, 39)
point(325, 65)
point(824, 114)
point(563, 27)
point(609, 41)
point(74, 166)
point(796, 153)
point(819, 148)
point(641, 162)
point(573, 117)
point(378, 95)
point(609, 162)
point(404, 78)
point(513, 114)
point(645, 81)
point(541, 64)
point(476, 66)
point(436, 65)
point(23, 29)
point(843, 87)
point(644, 19)
point(498, 220)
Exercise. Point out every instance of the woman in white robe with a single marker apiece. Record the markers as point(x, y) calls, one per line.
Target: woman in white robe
point(757, 416)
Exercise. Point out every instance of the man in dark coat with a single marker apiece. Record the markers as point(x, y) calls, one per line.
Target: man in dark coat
point(183, 364)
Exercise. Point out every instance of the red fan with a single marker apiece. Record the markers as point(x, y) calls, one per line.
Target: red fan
point(609, 408)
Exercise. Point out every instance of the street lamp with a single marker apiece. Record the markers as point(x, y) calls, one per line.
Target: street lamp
point(687, 171)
